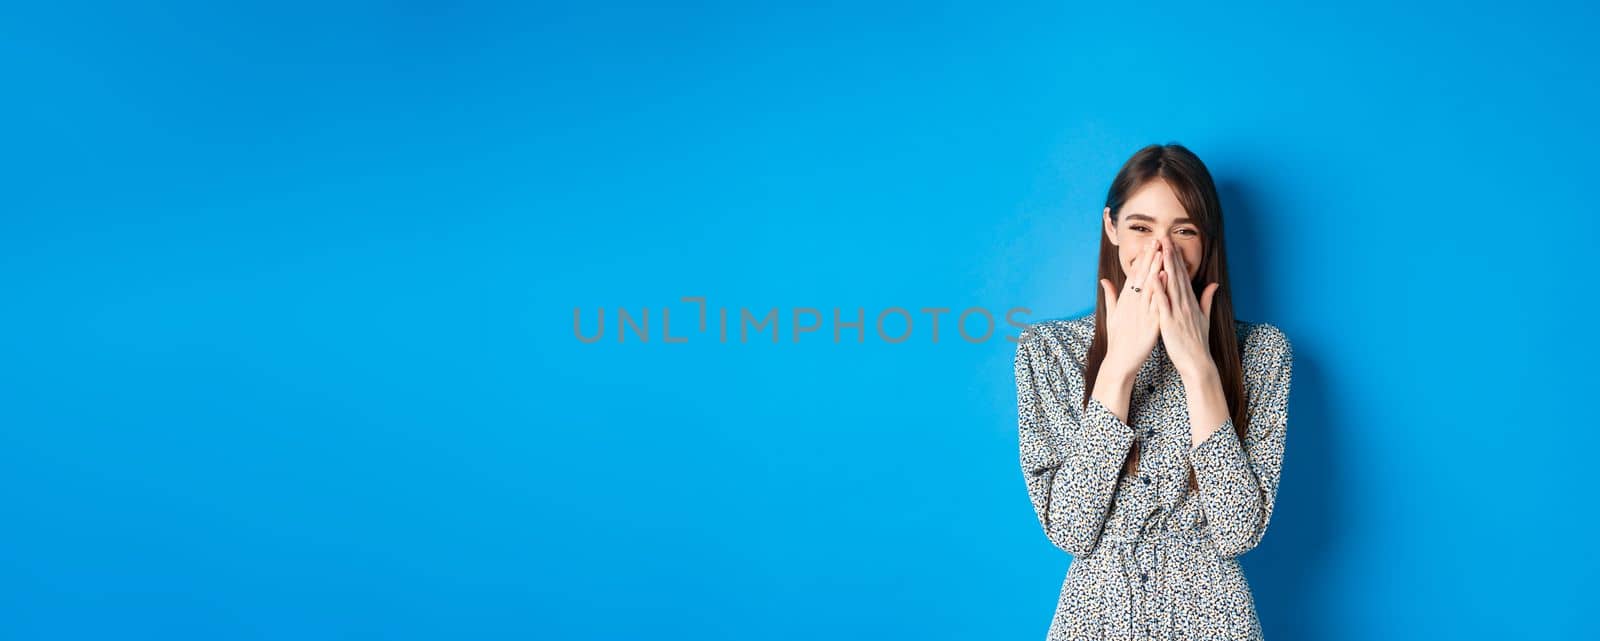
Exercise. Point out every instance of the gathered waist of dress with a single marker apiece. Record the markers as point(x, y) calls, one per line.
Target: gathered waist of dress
point(1154, 535)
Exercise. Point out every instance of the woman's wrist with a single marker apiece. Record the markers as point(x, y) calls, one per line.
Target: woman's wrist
point(1113, 387)
point(1117, 366)
point(1197, 375)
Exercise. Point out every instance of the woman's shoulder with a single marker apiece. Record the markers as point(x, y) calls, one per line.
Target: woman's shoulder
point(1261, 340)
point(1078, 330)
point(1065, 330)
point(1070, 337)
point(1065, 339)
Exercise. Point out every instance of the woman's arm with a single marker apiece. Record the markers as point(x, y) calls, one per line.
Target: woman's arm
point(1239, 481)
point(1070, 479)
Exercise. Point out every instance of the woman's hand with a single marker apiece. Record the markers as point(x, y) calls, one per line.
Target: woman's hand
point(1133, 321)
point(1185, 320)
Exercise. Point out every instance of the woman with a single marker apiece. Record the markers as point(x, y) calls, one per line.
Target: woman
point(1152, 430)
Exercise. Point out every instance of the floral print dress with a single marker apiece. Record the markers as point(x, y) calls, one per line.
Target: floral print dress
point(1152, 559)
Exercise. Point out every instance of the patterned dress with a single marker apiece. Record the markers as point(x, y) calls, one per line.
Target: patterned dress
point(1151, 558)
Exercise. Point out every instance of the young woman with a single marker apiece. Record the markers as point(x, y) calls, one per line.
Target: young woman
point(1152, 429)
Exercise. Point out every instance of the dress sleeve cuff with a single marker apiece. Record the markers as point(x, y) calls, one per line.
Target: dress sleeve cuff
point(1102, 430)
point(1220, 452)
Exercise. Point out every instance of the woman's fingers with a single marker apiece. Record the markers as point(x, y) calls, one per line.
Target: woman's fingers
point(1154, 267)
point(1177, 283)
point(1183, 268)
point(1140, 262)
point(1163, 300)
point(1111, 295)
point(1158, 293)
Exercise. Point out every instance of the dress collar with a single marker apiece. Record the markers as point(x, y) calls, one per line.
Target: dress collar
point(1155, 363)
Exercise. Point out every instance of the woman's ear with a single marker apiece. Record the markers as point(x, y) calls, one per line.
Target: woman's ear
point(1110, 227)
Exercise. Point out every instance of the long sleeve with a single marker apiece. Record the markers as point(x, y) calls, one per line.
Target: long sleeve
point(1239, 481)
point(1070, 459)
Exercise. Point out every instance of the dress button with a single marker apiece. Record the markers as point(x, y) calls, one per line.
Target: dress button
point(1144, 479)
point(1143, 577)
point(1150, 389)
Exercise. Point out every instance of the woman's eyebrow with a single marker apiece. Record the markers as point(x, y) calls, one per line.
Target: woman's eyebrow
point(1175, 221)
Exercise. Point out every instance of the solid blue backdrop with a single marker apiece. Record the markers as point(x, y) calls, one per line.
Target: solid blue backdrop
point(289, 348)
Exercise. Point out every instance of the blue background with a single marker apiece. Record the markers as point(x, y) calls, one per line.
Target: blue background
point(289, 292)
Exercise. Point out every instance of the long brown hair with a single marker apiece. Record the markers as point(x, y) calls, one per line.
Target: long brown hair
point(1191, 182)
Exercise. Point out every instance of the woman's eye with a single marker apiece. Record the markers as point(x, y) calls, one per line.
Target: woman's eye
point(1142, 229)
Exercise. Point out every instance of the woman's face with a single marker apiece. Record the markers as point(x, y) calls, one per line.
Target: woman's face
point(1154, 212)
